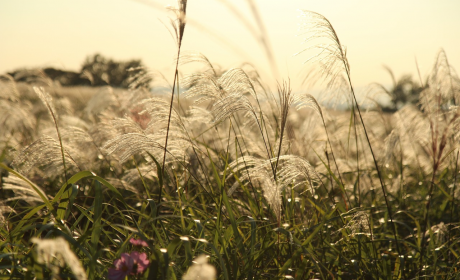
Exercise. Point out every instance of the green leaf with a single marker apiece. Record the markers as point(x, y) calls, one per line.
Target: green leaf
point(34, 187)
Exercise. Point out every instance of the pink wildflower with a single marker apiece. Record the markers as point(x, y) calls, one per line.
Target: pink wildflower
point(138, 242)
point(141, 261)
point(123, 267)
point(128, 264)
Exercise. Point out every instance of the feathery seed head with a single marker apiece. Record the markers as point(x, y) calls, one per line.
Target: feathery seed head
point(55, 253)
point(200, 270)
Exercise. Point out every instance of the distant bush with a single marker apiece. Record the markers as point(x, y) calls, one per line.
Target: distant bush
point(103, 71)
point(403, 91)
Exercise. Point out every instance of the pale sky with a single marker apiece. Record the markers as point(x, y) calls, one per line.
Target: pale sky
point(61, 33)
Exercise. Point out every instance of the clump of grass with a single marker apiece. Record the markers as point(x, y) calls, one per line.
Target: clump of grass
point(230, 171)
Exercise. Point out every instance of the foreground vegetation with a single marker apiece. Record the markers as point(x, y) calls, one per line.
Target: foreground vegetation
point(104, 182)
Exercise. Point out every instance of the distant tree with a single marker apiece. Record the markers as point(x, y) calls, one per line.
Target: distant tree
point(103, 71)
point(403, 91)
point(66, 78)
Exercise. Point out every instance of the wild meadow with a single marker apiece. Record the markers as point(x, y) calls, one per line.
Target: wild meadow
point(223, 177)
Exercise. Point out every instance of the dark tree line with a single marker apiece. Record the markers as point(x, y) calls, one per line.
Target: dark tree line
point(96, 70)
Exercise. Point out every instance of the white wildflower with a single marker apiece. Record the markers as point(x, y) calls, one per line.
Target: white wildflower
point(55, 253)
point(200, 270)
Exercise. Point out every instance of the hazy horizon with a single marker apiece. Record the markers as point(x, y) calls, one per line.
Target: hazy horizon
point(62, 34)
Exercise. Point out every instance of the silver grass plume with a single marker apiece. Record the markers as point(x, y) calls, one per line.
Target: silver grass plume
point(176, 126)
point(256, 167)
point(178, 24)
point(293, 172)
point(65, 106)
point(100, 101)
point(225, 107)
point(74, 121)
point(440, 232)
point(307, 100)
point(252, 120)
point(336, 69)
point(253, 145)
point(308, 135)
point(22, 190)
point(127, 137)
point(199, 115)
point(3, 210)
point(55, 254)
point(125, 125)
point(260, 173)
point(359, 223)
point(79, 142)
point(442, 91)
point(318, 27)
point(127, 145)
point(327, 50)
point(441, 97)
point(286, 99)
point(409, 139)
point(8, 88)
point(227, 94)
point(47, 100)
point(444, 80)
point(131, 176)
point(45, 153)
point(230, 93)
point(296, 171)
point(190, 57)
point(158, 111)
point(104, 130)
point(211, 87)
point(178, 27)
point(272, 193)
point(131, 179)
point(439, 103)
point(9, 143)
point(16, 118)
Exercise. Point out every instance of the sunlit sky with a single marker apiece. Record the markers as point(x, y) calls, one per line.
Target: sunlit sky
point(61, 33)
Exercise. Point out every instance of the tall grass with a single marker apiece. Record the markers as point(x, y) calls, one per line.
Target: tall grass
point(230, 177)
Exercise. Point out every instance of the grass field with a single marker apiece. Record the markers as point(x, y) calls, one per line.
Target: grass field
point(229, 179)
